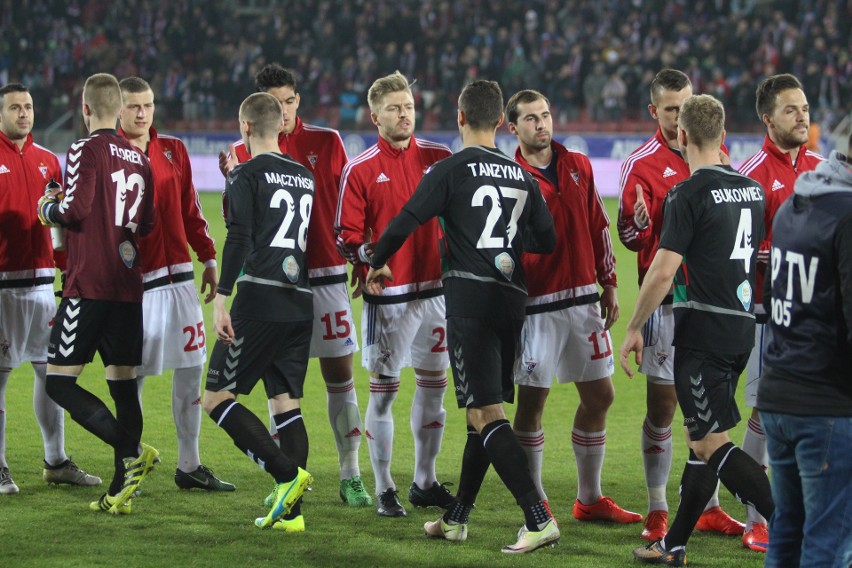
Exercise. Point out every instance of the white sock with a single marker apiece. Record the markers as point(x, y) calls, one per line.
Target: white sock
point(345, 419)
point(533, 445)
point(4, 378)
point(754, 444)
point(186, 411)
point(50, 417)
point(379, 425)
point(589, 452)
point(657, 459)
point(427, 425)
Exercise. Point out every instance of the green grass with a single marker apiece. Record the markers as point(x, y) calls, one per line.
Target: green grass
point(52, 525)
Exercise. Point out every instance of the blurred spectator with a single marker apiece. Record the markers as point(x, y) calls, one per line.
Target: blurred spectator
point(200, 54)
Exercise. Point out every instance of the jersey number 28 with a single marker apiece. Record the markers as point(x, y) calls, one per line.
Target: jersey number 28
point(283, 197)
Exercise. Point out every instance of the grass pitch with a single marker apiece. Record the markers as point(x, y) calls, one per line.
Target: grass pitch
point(52, 525)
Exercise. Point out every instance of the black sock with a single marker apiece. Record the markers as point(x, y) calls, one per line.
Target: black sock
point(90, 412)
point(293, 439)
point(128, 410)
point(510, 463)
point(743, 477)
point(696, 487)
point(293, 436)
point(475, 463)
point(252, 438)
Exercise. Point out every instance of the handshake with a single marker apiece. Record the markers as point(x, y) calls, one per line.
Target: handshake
point(46, 203)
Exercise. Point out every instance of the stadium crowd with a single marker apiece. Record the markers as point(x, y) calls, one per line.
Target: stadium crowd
point(595, 66)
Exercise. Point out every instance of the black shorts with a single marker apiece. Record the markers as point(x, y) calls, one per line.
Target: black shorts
point(81, 327)
point(276, 352)
point(706, 384)
point(482, 355)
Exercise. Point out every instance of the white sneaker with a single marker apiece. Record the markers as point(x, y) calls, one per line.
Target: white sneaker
point(7, 486)
point(456, 532)
point(529, 541)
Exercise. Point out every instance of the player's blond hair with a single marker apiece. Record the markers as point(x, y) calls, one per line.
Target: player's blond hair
point(393, 83)
point(103, 95)
point(263, 112)
point(703, 119)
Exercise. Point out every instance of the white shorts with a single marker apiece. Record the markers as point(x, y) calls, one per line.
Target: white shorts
point(173, 328)
point(570, 343)
point(411, 334)
point(334, 329)
point(25, 319)
point(754, 368)
point(658, 354)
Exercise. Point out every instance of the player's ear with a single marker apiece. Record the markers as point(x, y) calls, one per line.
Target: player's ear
point(462, 119)
point(652, 110)
point(501, 119)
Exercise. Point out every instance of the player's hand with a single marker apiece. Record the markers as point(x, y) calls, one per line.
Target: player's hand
point(633, 343)
point(357, 282)
point(365, 251)
point(45, 203)
point(228, 160)
point(640, 210)
point(209, 279)
point(376, 279)
point(222, 321)
point(609, 306)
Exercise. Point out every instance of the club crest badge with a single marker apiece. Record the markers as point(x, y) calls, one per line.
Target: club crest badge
point(312, 158)
point(291, 269)
point(576, 177)
point(127, 253)
point(168, 154)
point(744, 294)
point(43, 169)
point(505, 265)
point(530, 365)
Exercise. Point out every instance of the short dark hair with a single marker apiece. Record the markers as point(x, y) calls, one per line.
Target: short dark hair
point(482, 104)
point(273, 76)
point(12, 88)
point(668, 80)
point(521, 98)
point(768, 90)
point(263, 111)
point(134, 85)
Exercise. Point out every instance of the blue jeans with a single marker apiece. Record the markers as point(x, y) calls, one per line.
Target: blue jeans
point(810, 458)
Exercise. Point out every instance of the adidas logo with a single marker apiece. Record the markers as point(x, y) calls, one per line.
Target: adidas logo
point(4, 169)
point(433, 425)
point(668, 172)
point(355, 433)
point(382, 178)
point(653, 450)
point(776, 185)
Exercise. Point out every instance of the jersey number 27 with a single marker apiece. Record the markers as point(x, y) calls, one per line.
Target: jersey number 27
point(487, 240)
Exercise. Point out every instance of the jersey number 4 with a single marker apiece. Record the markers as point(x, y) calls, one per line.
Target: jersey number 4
point(283, 197)
point(134, 183)
point(487, 240)
point(743, 248)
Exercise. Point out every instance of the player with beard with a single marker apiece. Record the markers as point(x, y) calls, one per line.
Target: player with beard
point(27, 272)
point(405, 324)
point(783, 108)
point(566, 331)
